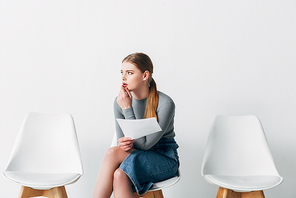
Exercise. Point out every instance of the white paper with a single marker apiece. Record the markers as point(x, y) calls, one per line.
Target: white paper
point(139, 127)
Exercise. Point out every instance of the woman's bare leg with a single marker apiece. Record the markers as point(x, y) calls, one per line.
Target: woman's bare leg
point(122, 185)
point(112, 159)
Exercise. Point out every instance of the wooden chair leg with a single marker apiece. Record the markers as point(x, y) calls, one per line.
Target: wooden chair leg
point(227, 193)
point(158, 194)
point(57, 192)
point(47, 193)
point(60, 192)
point(254, 194)
point(222, 193)
point(25, 192)
point(151, 194)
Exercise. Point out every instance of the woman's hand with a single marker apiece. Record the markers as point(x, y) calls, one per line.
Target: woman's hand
point(124, 98)
point(125, 143)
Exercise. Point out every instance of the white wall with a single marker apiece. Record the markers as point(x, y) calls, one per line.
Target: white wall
point(211, 57)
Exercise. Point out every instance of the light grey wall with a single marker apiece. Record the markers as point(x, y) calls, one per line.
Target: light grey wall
point(211, 57)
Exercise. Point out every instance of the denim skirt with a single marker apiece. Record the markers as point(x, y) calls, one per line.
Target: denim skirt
point(159, 163)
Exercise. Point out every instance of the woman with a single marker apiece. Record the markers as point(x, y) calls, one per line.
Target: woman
point(134, 165)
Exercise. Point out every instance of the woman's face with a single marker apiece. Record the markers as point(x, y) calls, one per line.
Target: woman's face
point(132, 77)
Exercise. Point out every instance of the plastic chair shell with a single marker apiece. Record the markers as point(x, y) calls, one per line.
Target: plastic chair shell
point(237, 155)
point(46, 152)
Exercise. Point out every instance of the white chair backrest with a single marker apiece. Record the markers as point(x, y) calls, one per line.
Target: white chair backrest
point(114, 140)
point(237, 146)
point(46, 143)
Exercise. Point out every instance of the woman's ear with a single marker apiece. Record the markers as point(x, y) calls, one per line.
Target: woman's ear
point(146, 75)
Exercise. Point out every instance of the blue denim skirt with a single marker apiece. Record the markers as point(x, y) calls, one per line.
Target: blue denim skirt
point(159, 163)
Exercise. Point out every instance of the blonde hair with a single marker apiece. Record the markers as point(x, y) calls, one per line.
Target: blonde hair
point(144, 63)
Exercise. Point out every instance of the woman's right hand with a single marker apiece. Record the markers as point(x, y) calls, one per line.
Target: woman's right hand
point(124, 99)
point(125, 143)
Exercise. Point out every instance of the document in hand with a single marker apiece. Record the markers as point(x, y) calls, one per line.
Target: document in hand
point(139, 127)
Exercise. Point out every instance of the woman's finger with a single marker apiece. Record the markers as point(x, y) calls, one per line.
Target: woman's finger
point(122, 93)
point(123, 139)
point(128, 92)
point(127, 143)
point(126, 148)
point(124, 99)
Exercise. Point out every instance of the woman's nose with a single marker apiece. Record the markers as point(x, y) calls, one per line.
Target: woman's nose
point(123, 77)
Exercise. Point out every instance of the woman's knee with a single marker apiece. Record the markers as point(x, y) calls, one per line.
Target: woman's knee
point(117, 154)
point(112, 153)
point(122, 185)
point(118, 173)
point(120, 176)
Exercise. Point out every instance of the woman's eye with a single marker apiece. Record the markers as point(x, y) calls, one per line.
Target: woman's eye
point(130, 73)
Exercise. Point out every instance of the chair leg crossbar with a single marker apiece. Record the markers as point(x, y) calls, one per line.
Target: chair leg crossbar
point(57, 192)
point(150, 194)
point(227, 193)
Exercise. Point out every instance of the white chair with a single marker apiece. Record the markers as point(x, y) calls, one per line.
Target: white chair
point(237, 158)
point(156, 190)
point(45, 156)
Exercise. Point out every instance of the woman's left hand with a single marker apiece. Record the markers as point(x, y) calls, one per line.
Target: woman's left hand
point(125, 143)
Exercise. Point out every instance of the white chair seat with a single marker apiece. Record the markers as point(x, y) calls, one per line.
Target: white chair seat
point(42, 180)
point(166, 183)
point(244, 183)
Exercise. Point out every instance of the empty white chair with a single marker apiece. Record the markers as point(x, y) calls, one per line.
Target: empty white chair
point(156, 190)
point(45, 156)
point(237, 158)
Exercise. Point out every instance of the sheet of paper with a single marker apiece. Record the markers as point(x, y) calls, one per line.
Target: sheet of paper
point(139, 127)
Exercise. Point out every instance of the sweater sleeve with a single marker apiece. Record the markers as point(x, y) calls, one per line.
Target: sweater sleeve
point(121, 114)
point(165, 115)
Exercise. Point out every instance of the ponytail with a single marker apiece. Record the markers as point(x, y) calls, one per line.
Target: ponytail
point(152, 101)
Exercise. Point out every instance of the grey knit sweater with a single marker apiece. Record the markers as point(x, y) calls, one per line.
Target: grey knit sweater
point(165, 113)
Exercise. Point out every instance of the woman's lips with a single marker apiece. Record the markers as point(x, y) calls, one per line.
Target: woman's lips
point(124, 84)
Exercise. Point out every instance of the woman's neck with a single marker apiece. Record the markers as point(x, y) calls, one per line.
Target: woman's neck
point(141, 93)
